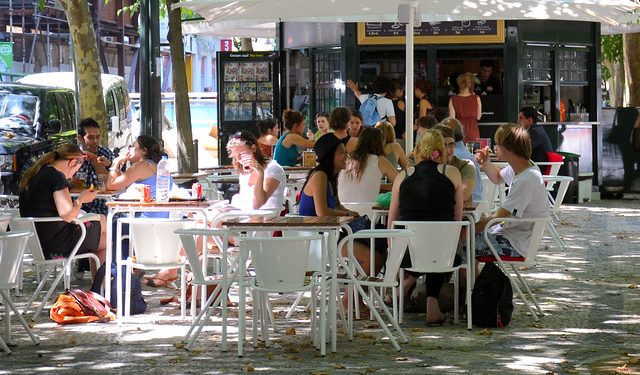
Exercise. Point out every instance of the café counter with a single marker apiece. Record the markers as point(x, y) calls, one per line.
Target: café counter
point(575, 137)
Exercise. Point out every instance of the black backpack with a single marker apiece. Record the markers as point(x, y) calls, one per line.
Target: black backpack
point(138, 304)
point(492, 298)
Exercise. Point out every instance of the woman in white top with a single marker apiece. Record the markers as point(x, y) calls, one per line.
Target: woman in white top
point(362, 179)
point(262, 181)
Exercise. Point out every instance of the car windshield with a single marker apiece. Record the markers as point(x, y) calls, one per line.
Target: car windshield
point(17, 112)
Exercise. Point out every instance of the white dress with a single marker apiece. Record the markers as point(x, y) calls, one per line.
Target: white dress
point(244, 199)
point(366, 189)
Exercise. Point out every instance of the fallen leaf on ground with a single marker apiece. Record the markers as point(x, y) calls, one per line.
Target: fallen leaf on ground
point(485, 332)
point(634, 360)
point(633, 286)
point(290, 331)
point(402, 359)
point(371, 325)
point(179, 345)
point(339, 366)
point(622, 369)
point(249, 368)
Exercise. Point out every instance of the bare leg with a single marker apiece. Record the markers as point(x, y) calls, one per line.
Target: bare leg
point(434, 315)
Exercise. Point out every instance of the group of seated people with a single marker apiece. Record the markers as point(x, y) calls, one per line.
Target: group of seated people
point(441, 177)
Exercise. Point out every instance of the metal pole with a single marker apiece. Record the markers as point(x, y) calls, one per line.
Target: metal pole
point(409, 78)
point(150, 105)
point(11, 21)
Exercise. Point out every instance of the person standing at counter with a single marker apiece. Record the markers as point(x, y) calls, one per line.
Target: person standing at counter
point(423, 103)
point(396, 94)
point(466, 107)
point(540, 142)
point(384, 105)
point(488, 83)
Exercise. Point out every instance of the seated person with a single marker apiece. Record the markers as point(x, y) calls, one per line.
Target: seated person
point(44, 192)
point(143, 157)
point(392, 149)
point(527, 197)
point(466, 167)
point(269, 131)
point(540, 142)
point(356, 124)
point(322, 123)
point(339, 121)
point(427, 192)
point(98, 160)
point(362, 179)
point(262, 180)
point(423, 123)
point(286, 152)
point(462, 152)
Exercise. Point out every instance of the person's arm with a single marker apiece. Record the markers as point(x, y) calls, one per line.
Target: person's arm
point(452, 111)
point(499, 213)
point(424, 106)
point(479, 114)
point(297, 140)
point(400, 155)
point(482, 157)
point(395, 200)
point(68, 209)
point(387, 169)
point(454, 176)
point(317, 186)
point(468, 174)
point(354, 87)
point(117, 180)
point(264, 187)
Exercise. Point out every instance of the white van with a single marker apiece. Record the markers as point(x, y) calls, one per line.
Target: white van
point(116, 97)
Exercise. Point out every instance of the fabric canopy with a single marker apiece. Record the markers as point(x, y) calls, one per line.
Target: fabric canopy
point(612, 12)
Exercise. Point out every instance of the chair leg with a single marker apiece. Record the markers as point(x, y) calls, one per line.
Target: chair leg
point(294, 305)
point(456, 298)
point(377, 316)
point(266, 312)
point(241, 315)
point(394, 322)
point(38, 290)
point(13, 307)
point(515, 286)
point(204, 316)
point(257, 308)
point(401, 296)
point(526, 287)
point(183, 292)
point(7, 319)
point(4, 346)
point(272, 317)
point(127, 291)
point(556, 236)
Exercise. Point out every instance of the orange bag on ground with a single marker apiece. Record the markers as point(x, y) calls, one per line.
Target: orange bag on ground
point(76, 306)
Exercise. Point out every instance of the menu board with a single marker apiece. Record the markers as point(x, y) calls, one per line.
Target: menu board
point(481, 31)
point(248, 90)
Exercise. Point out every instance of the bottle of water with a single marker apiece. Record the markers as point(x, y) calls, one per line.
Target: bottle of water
point(163, 181)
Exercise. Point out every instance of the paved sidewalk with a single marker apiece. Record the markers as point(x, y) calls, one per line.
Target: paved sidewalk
point(592, 324)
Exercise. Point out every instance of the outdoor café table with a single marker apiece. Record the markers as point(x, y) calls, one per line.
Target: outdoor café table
point(131, 207)
point(327, 224)
point(469, 212)
point(107, 195)
point(179, 178)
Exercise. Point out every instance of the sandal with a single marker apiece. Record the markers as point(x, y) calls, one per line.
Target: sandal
point(157, 282)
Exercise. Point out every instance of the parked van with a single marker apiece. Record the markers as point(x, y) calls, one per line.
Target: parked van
point(116, 97)
point(33, 120)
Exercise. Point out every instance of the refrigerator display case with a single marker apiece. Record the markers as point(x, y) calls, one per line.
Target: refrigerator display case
point(248, 91)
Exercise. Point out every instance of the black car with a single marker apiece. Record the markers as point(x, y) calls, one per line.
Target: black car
point(33, 120)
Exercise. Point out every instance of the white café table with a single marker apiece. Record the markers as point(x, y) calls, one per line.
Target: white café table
point(329, 225)
point(132, 207)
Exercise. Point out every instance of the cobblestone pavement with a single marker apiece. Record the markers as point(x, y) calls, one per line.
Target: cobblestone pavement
point(591, 326)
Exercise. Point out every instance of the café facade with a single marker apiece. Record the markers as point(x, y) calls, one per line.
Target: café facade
point(551, 65)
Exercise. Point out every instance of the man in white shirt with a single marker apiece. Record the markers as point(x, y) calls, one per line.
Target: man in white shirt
point(384, 105)
point(527, 196)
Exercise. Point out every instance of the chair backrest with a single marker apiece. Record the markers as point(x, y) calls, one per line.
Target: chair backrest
point(26, 224)
point(12, 246)
point(537, 231)
point(314, 261)
point(279, 262)
point(563, 185)
point(363, 208)
point(188, 240)
point(555, 161)
point(489, 195)
point(5, 218)
point(154, 240)
point(434, 244)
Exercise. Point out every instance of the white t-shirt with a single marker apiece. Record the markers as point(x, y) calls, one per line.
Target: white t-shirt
point(384, 106)
point(527, 198)
point(244, 199)
point(363, 191)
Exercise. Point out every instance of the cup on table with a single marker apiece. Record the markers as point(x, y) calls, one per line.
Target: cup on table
point(79, 181)
point(101, 183)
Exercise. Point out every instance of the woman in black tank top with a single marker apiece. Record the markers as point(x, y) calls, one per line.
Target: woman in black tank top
point(429, 192)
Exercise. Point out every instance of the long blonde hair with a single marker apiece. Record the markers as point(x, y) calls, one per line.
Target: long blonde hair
point(388, 132)
point(431, 141)
point(66, 151)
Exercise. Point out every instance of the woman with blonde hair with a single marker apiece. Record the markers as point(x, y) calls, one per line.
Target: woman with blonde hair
point(44, 192)
point(427, 192)
point(466, 107)
point(392, 149)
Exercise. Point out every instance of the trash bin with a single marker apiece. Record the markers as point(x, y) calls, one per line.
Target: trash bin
point(571, 168)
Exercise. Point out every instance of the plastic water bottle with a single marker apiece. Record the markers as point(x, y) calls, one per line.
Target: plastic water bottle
point(163, 180)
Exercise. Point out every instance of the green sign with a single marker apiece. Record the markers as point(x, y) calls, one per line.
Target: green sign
point(6, 57)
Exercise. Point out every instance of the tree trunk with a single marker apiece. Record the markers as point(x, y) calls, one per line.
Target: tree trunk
point(617, 89)
point(187, 162)
point(246, 44)
point(87, 62)
point(631, 44)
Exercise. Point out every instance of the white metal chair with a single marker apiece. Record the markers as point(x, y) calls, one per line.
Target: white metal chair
point(359, 278)
point(12, 246)
point(537, 230)
point(433, 249)
point(28, 224)
point(280, 267)
point(363, 208)
point(201, 279)
point(563, 185)
point(154, 246)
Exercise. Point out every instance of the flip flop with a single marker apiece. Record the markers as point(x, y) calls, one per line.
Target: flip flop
point(157, 282)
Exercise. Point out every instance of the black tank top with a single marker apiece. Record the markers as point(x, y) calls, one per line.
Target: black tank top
point(427, 195)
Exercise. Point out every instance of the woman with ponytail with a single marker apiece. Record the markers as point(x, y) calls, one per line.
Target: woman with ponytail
point(44, 192)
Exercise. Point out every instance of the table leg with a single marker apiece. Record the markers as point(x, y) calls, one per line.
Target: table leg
point(108, 256)
point(332, 247)
point(120, 308)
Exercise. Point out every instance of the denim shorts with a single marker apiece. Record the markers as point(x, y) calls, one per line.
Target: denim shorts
point(500, 243)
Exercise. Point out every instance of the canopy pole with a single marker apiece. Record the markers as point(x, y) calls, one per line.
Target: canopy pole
point(409, 91)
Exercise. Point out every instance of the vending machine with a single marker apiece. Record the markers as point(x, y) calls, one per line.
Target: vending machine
point(248, 91)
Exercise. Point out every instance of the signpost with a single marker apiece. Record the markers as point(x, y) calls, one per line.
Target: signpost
point(6, 57)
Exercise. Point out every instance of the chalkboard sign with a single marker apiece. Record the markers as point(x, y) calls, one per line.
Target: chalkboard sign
point(482, 31)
